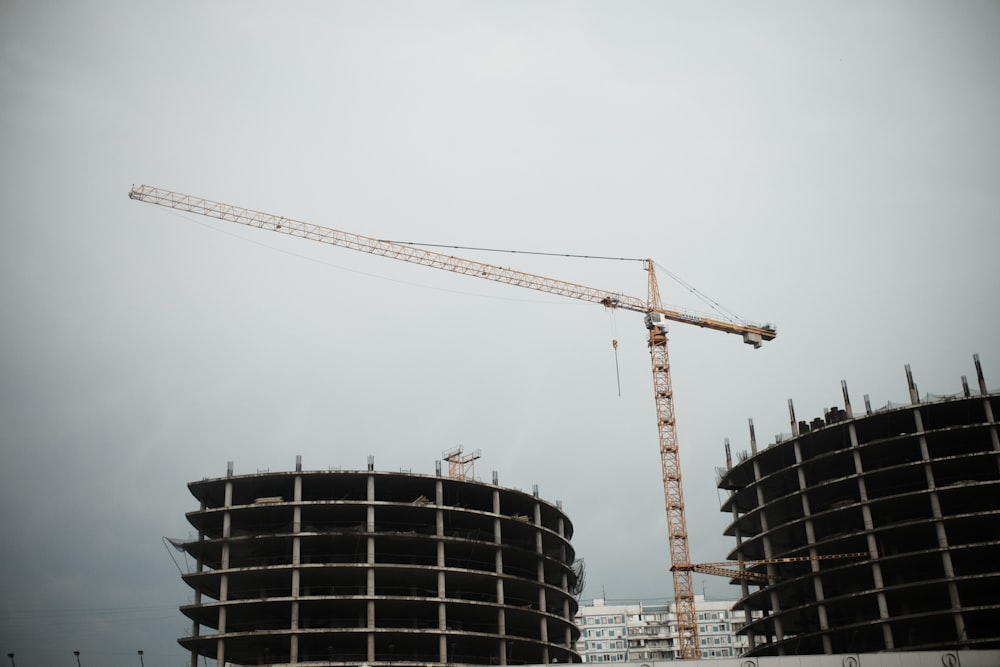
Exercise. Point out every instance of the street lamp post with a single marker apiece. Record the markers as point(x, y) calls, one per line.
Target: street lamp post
point(141, 663)
point(11, 656)
point(77, 654)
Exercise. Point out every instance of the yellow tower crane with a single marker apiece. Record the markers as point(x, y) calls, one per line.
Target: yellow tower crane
point(656, 318)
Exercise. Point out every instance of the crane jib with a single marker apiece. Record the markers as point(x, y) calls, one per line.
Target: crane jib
point(433, 259)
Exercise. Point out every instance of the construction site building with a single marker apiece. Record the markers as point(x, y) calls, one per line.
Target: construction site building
point(914, 489)
point(365, 567)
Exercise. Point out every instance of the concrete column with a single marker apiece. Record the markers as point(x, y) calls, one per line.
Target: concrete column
point(942, 535)
point(744, 584)
point(824, 623)
point(293, 642)
point(540, 575)
point(987, 406)
point(199, 567)
point(442, 582)
point(220, 646)
point(226, 525)
point(779, 631)
point(914, 393)
point(497, 533)
point(297, 497)
point(370, 523)
point(543, 629)
point(979, 374)
point(543, 624)
point(873, 550)
point(847, 399)
point(498, 568)
point(370, 560)
point(561, 528)
point(442, 591)
point(994, 437)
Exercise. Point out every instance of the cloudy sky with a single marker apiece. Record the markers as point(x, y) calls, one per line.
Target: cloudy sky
point(833, 168)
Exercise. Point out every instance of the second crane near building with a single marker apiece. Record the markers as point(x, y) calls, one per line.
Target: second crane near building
point(656, 318)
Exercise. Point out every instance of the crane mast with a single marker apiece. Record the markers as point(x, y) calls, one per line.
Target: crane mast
point(656, 317)
point(673, 492)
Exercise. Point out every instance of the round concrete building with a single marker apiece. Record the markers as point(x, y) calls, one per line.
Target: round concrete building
point(353, 567)
point(913, 489)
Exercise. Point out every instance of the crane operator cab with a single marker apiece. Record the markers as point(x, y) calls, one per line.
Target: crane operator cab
point(657, 325)
point(657, 322)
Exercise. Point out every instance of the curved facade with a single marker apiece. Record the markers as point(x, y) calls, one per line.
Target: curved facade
point(352, 567)
point(915, 490)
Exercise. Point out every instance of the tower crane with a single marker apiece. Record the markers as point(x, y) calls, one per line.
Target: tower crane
point(656, 318)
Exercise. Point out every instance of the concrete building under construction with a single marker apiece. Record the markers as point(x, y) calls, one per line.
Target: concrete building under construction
point(913, 489)
point(352, 567)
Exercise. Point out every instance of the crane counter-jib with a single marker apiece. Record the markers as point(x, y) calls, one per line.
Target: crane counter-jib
point(432, 259)
point(656, 317)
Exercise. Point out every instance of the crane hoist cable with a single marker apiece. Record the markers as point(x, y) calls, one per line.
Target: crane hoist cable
point(614, 345)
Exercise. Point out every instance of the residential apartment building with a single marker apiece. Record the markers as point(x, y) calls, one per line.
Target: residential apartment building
point(640, 631)
point(604, 631)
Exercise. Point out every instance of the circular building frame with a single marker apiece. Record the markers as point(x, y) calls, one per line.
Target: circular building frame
point(352, 567)
point(915, 488)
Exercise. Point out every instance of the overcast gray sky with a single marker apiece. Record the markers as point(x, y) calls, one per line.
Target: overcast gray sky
point(830, 167)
